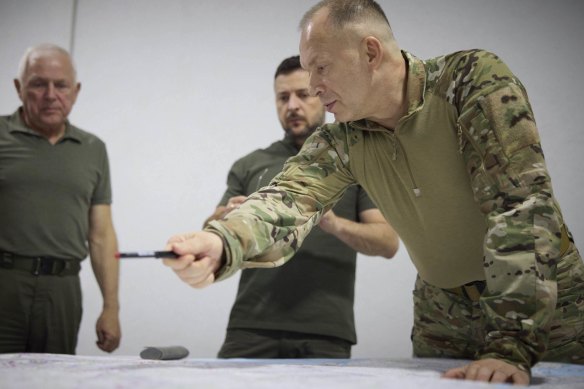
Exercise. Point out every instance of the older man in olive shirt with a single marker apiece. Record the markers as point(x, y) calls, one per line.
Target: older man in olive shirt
point(55, 200)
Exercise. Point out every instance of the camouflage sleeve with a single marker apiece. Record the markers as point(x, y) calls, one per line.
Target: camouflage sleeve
point(501, 147)
point(269, 227)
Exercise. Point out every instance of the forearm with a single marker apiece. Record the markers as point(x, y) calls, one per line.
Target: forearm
point(521, 253)
point(256, 239)
point(375, 239)
point(522, 249)
point(102, 249)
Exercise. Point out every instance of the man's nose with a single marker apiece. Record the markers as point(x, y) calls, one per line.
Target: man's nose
point(293, 102)
point(50, 91)
point(315, 88)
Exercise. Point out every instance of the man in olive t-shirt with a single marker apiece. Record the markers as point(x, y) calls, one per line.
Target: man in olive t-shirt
point(305, 308)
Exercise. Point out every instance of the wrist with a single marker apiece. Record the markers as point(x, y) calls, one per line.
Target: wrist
point(113, 307)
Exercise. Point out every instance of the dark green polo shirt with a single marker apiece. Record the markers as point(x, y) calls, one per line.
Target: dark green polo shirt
point(314, 292)
point(46, 190)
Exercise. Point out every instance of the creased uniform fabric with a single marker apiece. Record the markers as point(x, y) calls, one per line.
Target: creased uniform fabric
point(463, 181)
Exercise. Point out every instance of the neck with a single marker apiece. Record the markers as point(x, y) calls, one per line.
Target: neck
point(53, 134)
point(297, 142)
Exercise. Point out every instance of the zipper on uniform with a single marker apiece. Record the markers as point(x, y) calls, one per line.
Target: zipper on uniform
point(260, 179)
point(397, 144)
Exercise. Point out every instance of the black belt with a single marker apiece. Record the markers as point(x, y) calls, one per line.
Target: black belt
point(472, 290)
point(40, 265)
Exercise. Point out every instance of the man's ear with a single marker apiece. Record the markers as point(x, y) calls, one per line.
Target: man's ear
point(77, 89)
point(373, 50)
point(17, 86)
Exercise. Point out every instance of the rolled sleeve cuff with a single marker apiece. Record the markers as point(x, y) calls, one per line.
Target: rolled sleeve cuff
point(232, 252)
point(511, 351)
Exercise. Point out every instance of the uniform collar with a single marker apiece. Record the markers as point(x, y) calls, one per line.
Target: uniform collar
point(18, 125)
point(415, 89)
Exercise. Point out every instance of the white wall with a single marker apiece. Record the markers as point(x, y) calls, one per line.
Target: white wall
point(179, 89)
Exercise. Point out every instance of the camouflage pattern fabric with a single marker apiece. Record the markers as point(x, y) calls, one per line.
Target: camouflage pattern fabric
point(503, 208)
point(448, 325)
point(500, 145)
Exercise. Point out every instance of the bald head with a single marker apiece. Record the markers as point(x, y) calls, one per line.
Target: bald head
point(355, 65)
point(363, 17)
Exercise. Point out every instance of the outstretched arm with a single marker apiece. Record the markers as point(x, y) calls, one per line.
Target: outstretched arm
point(223, 210)
point(371, 235)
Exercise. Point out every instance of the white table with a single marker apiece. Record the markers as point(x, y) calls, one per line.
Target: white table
point(47, 371)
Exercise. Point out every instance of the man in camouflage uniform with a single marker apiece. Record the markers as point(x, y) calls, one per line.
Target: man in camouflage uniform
point(449, 151)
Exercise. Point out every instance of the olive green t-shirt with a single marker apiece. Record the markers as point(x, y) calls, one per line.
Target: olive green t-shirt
point(314, 292)
point(46, 190)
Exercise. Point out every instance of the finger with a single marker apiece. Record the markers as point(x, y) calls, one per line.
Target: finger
point(472, 371)
point(179, 238)
point(179, 263)
point(194, 273)
point(485, 374)
point(101, 340)
point(194, 245)
point(237, 200)
point(500, 377)
point(456, 373)
point(100, 336)
point(108, 347)
point(113, 341)
point(221, 212)
point(104, 345)
point(198, 273)
point(208, 281)
point(520, 378)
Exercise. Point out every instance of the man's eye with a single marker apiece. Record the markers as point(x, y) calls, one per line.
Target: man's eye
point(37, 84)
point(284, 99)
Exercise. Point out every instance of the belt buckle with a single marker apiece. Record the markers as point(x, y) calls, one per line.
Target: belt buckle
point(474, 290)
point(7, 260)
point(44, 266)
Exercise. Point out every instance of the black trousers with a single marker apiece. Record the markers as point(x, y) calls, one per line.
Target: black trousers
point(257, 343)
point(39, 314)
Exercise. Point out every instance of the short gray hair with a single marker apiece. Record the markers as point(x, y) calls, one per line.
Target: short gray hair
point(23, 65)
point(343, 12)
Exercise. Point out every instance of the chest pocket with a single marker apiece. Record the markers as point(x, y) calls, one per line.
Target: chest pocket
point(481, 151)
point(501, 130)
point(484, 154)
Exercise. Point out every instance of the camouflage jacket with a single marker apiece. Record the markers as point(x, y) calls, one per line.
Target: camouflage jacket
point(461, 178)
